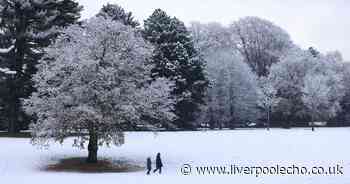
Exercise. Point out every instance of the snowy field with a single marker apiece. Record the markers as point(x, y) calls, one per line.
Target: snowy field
point(20, 162)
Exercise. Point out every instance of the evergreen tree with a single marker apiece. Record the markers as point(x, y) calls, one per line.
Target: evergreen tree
point(117, 13)
point(176, 58)
point(27, 27)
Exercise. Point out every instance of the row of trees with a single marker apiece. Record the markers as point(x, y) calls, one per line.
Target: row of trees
point(257, 74)
point(99, 77)
point(222, 75)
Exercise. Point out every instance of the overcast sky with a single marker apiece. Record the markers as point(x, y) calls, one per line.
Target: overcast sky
point(324, 24)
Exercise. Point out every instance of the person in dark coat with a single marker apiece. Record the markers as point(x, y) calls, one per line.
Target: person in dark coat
point(149, 165)
point(159, 164)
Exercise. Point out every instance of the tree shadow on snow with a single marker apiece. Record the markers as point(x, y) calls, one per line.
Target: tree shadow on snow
point(79, 164)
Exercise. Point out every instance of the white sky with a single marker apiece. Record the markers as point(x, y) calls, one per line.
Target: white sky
point(324, 24)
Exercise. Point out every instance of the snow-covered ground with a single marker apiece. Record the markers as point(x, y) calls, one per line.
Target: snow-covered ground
point(20, 162)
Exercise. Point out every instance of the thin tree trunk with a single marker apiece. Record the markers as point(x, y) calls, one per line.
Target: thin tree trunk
point(211, 121)
point(13, 119)
point(312, 122)
point(220, 125)
point(232, 124)
point(268, 119)
point(93, 146)
point(11, 126)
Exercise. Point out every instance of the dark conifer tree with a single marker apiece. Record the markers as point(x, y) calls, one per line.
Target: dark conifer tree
point(117, 13)
point(26, 28)
point(176, 58)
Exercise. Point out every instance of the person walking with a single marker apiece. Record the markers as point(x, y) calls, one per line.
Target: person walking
point(149, 165)
point(159, 164)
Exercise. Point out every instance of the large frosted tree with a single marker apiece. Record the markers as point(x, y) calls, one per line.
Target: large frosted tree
point(176, 59)
point(323, 88)
point(95, 79)
point(240, 85)
point(288, 76)
point(261, 42)
point(232, 93)
point(316, 97)
point(26, 27)
point(297, 78)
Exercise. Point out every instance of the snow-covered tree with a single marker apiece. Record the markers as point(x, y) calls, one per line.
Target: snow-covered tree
point(243, 92)
point(95, 81)
point(293, 80)
point(288, 76)
point(344, 116)
point(26, 27)
point(268, 98)
point(176, 59)
point(117, 13)
point(315, 96)
point(323, 88)
point(207, 37)
point(261, 42)
point(232, 95)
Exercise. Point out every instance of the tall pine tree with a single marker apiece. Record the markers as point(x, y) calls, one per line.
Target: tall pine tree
point(26, 28)
point(176, 58)
point(117, 13)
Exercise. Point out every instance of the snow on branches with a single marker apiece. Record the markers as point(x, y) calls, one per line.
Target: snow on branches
point(232, 95)
point(95, 79)
point(6, 50)
point(309, 85)
point(7, 71)
point(268, 98)
point(260, 41)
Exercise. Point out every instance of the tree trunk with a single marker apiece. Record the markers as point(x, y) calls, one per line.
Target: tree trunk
point(312, 123)
point(232, 124)
point(13, 119)
point(268, 119)
point(211, 121)
point(92, 147)
point(12, 126)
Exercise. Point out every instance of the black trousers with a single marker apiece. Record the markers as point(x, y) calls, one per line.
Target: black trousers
point(158, 169)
